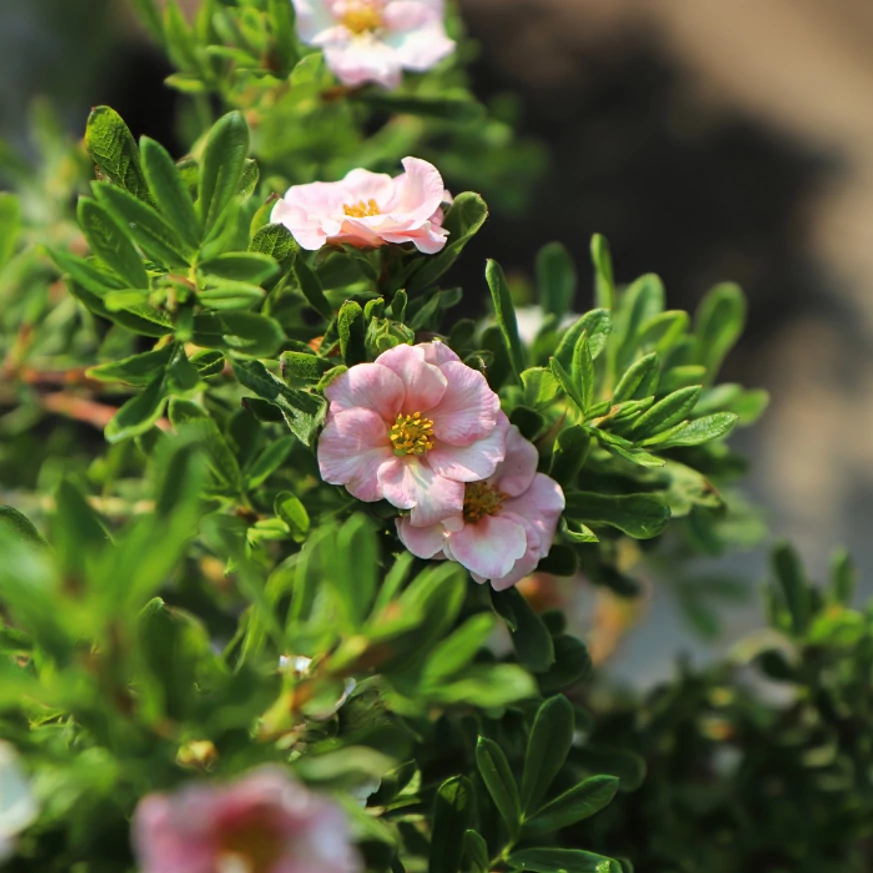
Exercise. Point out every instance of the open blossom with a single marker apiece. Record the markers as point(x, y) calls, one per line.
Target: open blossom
point(368, 210)
point(413, 427)
point(507, 523)
point(264, 823)
point(375, 40)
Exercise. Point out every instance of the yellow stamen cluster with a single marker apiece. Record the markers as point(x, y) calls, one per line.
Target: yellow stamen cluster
point(361, 209)
point(251, 847)
point(362, 19)
point(480, 499)
point(412, 434)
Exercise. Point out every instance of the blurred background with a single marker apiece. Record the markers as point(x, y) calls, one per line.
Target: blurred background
point(707, 140)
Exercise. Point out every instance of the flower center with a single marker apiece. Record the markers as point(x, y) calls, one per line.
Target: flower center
point(252, 845)
point(361, 209)
point(412, 434)
point(480, 499)
point(361, 19)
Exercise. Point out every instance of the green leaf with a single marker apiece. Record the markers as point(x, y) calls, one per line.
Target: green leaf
point(581, 802)
point(357, 564)
point(604, 281)
point(110, 244)
point(458, 649)
point(20, 526)
point(452, 816)
point(10, 225)
point(251, 267)
point(352, 332)
point(596, 324)
point(694, 433)
point(719, 322)
point(791, 579)
point(303, 366)
point(246, 332)
point(269, 461)
point(112, 147)
point(530, 637)
point(556, 279)
point(276, 241)
point(476, 851)
point(567, 384)
point(667, 412)
point(310, 286)
point(191, 420)
point(302, 412)
point(663, 331)
point(540, 387)
point(135, 370)
point(844, 577)
point(289, 508)
point(141, 318)
point(284, 34)
point(138, 414)
point(582, 371)
point(170, 192)
point(155, 236)
point(222, 167)
point(494, 770)
point(627, 766)
point(179, 39)
point(150, 15)
point(641, 516)
point(505, 314)
point(463, 221)
point(548, 744)
point(208, 363)
point(569, 454)
point(225, 295)
point(562, 861)
point(639, 380)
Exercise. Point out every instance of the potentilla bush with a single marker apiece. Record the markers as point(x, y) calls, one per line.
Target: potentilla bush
point(277, 525)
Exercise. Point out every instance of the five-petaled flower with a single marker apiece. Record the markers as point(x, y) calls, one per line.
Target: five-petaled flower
point(368, 209)
point(506, 525)
point(413, 428)
point(264, 823)
point(375, 40)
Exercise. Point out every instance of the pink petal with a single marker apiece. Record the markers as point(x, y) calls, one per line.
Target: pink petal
point(364, 59)
point(490, 547)
point(469, 463)
point(423, 542)
point(425, 384)
point(313, 16)
point(469, 410)
point(541, 507)
point(418, 192)
point(407, 483)
point(362, 186)
point(370, 386)
point(428, 239)
point(517, 471)
point(351, 449)
point(437, 352)
point(524, 566)
point(418, 37)
point(165, 844)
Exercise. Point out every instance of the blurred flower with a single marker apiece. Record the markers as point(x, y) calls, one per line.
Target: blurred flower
point(17, 807)
point(264, 823)
point(367, 209)
point(375, 40)
point(507, 523)
point(412, 428)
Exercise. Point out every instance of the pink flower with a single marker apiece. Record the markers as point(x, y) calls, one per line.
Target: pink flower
point(412, 428)
point(368, 209)
point(507, 523)
point(264, 823)
point(375, 40)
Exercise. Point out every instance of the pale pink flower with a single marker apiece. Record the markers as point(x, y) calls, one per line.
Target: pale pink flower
point(368, 210)
point(264, 823)
point(507, 523)
point(375, 40)
point(412, 428)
